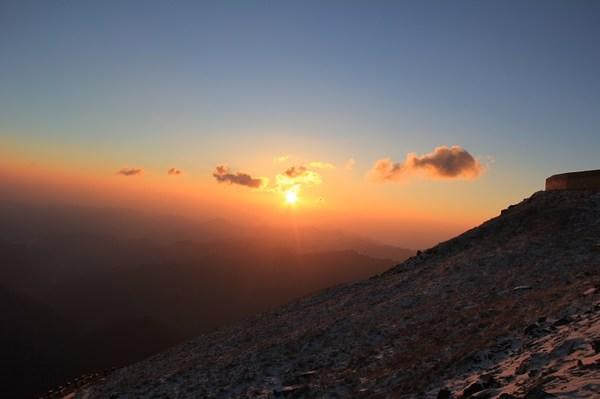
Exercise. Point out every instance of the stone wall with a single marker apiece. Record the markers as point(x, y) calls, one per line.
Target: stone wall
point(587, 180)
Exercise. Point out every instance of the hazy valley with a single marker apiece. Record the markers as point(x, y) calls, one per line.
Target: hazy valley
point(87, 289)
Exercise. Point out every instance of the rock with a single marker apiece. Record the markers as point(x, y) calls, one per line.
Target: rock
point(589, 291)
point(538, 393)
point(308, 373)
point(522, 288)
point(523, 367)
point(488, 381)
point(444, 393)
point(292, 390)
point(485, 394)
point(300, 378)
point(471, 389)
point(532, 329)
point(562, 321)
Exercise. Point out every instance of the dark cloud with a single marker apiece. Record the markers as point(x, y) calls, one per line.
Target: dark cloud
point(222, 175)
point(174, 172)
point(294, 176)
point(295, 171)
point(130, 172)
point(444, 162)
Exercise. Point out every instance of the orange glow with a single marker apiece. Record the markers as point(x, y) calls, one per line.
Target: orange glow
point(414, 215)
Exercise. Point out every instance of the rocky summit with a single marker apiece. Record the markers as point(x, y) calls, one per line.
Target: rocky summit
point(509, 309)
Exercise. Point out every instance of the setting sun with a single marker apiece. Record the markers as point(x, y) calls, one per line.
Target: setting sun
point(291, 197)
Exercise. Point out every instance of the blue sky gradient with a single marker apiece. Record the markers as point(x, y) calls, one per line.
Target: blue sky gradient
point(200, 83)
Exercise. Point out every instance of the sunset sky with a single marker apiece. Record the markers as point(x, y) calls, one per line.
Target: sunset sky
point(404, 121)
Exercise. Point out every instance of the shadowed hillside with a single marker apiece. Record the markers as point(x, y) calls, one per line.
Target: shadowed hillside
point(87, 289)
point(414, 329)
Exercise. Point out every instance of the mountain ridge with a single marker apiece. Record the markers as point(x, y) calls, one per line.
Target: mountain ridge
point(398, 333)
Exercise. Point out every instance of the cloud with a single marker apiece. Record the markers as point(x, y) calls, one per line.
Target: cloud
point(295, 171)
point(349, 165)
point(281, 158)
point(222, 175)
point(174, 172)
point(130, 172)
point(296, 176)
point(321, 165)
point(292, 178)
point(443, 163)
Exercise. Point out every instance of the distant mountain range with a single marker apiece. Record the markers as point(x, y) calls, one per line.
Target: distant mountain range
point(510, 309)
point(86, 289)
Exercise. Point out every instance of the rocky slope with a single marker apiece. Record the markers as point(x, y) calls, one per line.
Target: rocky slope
point(507, 308)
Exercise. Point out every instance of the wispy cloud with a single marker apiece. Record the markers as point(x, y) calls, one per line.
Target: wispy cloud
point(223, 175)
point(349, 165)
point(292, 178)
point(295, 171)
point(296, 176)
point(130, 172)
point(281, 158)
point(174, 172)
point(321, 165)
point(443, 163)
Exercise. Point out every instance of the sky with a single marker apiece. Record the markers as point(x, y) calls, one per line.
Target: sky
point(405, 121)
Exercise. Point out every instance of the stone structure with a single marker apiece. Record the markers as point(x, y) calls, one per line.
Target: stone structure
point(587, 180)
